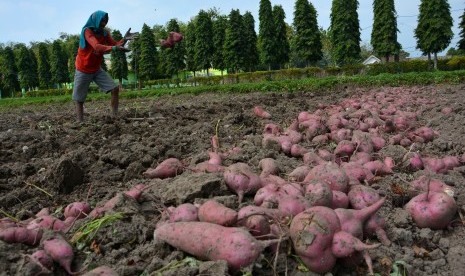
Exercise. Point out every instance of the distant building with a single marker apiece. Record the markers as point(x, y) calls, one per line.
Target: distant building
point(371, 60)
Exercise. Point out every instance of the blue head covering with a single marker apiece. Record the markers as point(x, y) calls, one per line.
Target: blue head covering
point(93, 23)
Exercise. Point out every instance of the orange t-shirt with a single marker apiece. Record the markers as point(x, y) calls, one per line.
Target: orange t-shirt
point(89, 59)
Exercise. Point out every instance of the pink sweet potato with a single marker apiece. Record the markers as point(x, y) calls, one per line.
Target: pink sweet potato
point(240, 178)
point(166, 169)
point(258, 225)
point(209, 241)
point(21, 235)
point(345, 244)
point(432, 210)
point(298, 150)
point(292, 205)
point(77, 209)
point(183, 212)
point(375, 226)
point(361, 196)
point(101, 271)
point(345, 148)
point(352, 220)
point(340, 200)
point(59, 249)
point(268, 166)
point(318, 193)
point(215, 212)
point(261, 113)
point(299, 173)
point(425, 183)
point(136, 191)
point(332, 174)
point(250, 210)
point(46, 222)
point(41, 257)
point(312, 233)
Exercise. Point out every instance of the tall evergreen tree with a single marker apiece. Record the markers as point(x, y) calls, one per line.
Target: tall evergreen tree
point(59, 63)
point(45, 75)
point(25, 69)
point(434, 29)
point(189, 40)
point(9, 72)
point(175, 56)
point(306, 43)
point(148, 59)
point(345, 31)
point(461, 43)
point(204, 40)
point(282, 43)
point(266, 33)
point(384, 32)
point(250, 47)
point(119, 62)
point(234, 42)
point(219, 35)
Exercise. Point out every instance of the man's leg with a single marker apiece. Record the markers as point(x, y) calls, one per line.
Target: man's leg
point(80, 111)
point(115, 101)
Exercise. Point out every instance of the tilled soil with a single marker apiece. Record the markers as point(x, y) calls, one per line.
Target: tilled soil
point(48, 161)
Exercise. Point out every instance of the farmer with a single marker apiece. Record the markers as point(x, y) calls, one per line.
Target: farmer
point(94, 42)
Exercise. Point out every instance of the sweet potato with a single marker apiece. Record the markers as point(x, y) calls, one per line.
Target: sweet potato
point(352, 220)
point(375, 226)
point(77, 209)
point(101, 271)
point(258, 225)
point(345, 148)
point(183, 212)
point(41, 257)
point(208, 241)
point(345, 245)
point(340, 200)
point(240, 178)
point(318, 193)
point(425, 183)
point(21, 235)
point(298, 150)
point(432, 210)
point(46, 222)
point(312, 233)
point(251, 210)
point(58, 248)
point(261, 113)
point(268, 166)
point(312, 159)
point(299, 173)
point(136, 191)
point(361, 196)
point(357, 173)
point(208, 168)
point(166, 169)
point(332, 174)
point(215, 212)
point(292, 205)
point(272, 129)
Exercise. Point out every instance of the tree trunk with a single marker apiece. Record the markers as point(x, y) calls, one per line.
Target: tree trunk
point(387, 58)
point(435, 61)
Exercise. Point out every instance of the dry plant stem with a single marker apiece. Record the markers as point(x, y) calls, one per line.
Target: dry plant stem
point(38, 188)
point(8, 215)
point(409, 151)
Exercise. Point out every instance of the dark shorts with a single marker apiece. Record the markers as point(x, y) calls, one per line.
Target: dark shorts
point(83, 80)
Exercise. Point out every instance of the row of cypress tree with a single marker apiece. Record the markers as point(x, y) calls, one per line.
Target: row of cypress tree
point(230, 42)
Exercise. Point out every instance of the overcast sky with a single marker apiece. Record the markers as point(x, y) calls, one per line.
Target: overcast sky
point(28, 21)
